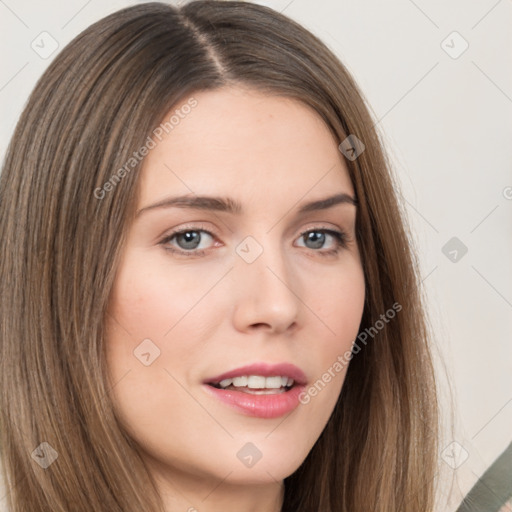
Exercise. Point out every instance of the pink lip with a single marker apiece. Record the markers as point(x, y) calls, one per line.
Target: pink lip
point(262, 406)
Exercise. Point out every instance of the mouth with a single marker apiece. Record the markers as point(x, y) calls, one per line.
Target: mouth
point(262, 390)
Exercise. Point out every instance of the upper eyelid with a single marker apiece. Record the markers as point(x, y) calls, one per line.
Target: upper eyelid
point(319, 227)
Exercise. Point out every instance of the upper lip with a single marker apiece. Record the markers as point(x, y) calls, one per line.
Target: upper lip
point(265, 370)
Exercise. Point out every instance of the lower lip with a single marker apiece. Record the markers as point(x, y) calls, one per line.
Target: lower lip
point(261, 406)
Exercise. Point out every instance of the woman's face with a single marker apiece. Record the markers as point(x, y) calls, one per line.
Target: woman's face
point(237, 288)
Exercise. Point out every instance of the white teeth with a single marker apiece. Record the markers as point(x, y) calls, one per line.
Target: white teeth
point(257, 382)
point(273, 382)
point(225, 383)
point(240, 381)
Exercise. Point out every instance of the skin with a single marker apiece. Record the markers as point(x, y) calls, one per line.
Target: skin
point(214, 312)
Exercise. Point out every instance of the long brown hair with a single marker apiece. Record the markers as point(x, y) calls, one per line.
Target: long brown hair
point(96, 105)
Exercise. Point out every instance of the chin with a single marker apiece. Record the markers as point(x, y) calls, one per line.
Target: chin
point(266, 460)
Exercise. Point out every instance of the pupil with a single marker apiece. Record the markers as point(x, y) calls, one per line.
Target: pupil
point(190, 243)
point(317, 239)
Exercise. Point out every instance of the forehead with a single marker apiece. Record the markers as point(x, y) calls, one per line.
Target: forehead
point(235, 138)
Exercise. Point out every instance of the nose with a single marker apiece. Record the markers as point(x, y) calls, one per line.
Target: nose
point(266, 293)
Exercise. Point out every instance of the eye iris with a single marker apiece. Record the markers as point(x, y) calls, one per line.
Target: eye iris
point(190, 237)
point(317, 238)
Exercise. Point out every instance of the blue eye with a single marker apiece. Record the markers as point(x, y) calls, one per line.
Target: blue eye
point(185, 242)
point(190, 239)
point(318, 236)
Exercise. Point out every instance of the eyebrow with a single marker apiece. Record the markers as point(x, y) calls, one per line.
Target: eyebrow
point(229, 205)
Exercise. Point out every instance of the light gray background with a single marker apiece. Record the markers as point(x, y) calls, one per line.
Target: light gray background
point(447, 123)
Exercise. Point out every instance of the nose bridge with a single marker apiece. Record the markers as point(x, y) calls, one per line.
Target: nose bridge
point(262, 258)
point(266, 283)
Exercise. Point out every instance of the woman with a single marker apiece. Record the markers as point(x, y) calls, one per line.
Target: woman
point(209, 296)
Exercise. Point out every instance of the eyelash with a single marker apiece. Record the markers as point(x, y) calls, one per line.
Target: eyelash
point(340, 237)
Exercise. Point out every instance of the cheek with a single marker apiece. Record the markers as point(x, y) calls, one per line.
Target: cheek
point(339, 306)
point(147, 315)
point(149, 300)
point(339, 311)
point(156, 310)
